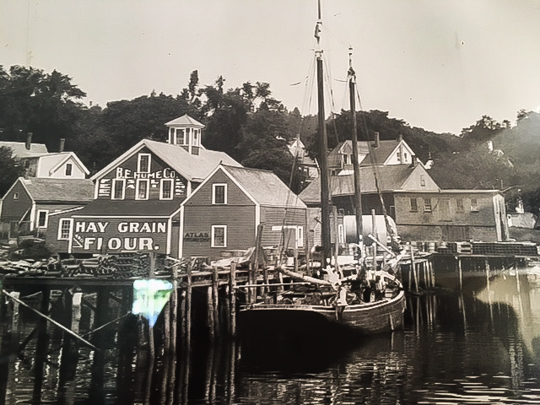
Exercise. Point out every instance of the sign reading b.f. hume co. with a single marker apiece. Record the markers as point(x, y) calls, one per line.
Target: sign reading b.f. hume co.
point(117, 235)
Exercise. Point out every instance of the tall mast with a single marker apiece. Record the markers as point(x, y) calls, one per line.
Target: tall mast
point(356, 166)
point(323, 148)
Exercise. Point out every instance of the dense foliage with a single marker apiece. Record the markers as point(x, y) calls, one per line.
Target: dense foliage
point(255, 129)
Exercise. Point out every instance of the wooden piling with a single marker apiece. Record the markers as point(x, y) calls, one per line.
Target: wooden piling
point(5, 348)
point(210, 313)
point(186, 309)
point(432, 272)
point(69, 355)
point(127, 342)
point(460, 269)
point(184, 384)
point(215, 292)
point(97, 393)
point(413, 268)
point(174, 338)
point(41, 346)
point(232, 292)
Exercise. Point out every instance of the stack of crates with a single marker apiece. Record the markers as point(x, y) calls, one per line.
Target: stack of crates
point(506, 248)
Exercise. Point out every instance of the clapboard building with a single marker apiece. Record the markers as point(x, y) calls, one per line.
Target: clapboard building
point(225, 212)
point(391, 172)
point(137, 197)
point(53, 182)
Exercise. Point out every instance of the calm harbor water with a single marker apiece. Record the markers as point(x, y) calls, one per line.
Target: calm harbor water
point(480, 345)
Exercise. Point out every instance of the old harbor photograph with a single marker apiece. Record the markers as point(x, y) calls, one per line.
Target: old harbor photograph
point(269, 202)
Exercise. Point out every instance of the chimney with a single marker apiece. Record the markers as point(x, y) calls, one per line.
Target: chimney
point(400, 138)
point(28, 144)
point(62, 144)
point(429, 163)
point(377, 140)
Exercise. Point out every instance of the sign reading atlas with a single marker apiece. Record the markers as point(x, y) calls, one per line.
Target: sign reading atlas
point(116, 235)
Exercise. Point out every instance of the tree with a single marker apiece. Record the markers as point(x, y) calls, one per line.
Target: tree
point(45, 104)
point(10, 170)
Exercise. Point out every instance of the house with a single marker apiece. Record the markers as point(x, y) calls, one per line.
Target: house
point(391, 172)
point(28, 204)
point(384, 166)
point(39, 162)
point(305, 162)
point(137, 196)
point(451, 215)
point(224, 212)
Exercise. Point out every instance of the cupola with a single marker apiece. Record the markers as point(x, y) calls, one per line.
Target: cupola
point(186, 133)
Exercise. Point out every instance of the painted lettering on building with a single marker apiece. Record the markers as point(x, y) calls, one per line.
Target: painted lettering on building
point(116, 235)
point(196, 237)
point(163, 183)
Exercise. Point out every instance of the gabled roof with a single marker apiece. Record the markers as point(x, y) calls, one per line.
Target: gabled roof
point(390, 178)
point(192, 167)
point(56, 160)
point(380, 154)
point(185, 121)
point(264, 187)
point(19, 149)
point(62, 190)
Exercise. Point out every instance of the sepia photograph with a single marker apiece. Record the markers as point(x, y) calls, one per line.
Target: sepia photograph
point(269, 202)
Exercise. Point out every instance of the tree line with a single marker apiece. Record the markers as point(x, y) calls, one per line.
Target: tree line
point(254, 128)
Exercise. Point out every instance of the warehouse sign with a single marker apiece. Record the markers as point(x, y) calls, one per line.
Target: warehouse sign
point(114, 235)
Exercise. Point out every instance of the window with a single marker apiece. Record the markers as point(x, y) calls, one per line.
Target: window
point(69, 169)
point(64, 229)
point(15, 196)
point(427, 204)
point(219, 236)
point(43, 216)
point(180, 137)
point(414, 205)
point(143, 165)
point(118, 191)
point(459, 204)
point(405, 157)
point(219, 193)
point(142, 189)
point(422, 180)
point(196, 137)
point(166, 190)
point(26, 164)
point(345, 159)
point(474, 205)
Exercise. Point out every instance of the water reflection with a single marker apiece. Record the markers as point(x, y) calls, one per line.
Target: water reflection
point(479, 345)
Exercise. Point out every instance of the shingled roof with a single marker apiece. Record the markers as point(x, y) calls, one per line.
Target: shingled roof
point(18, 149)
point(390, 178)
point(264, 187)
point(191, 167)
point(380, 154)
point(64, 190)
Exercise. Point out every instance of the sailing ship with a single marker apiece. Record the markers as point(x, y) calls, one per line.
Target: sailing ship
point(328, 299)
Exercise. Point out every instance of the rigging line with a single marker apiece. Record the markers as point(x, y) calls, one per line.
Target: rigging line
point(394, 241)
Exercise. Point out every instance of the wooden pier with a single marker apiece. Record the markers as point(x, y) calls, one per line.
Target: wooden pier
point(93, 315)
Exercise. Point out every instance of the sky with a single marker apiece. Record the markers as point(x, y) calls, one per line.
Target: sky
point(436, 64)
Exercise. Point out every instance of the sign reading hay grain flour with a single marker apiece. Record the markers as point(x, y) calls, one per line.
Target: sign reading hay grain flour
point(116, 235)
